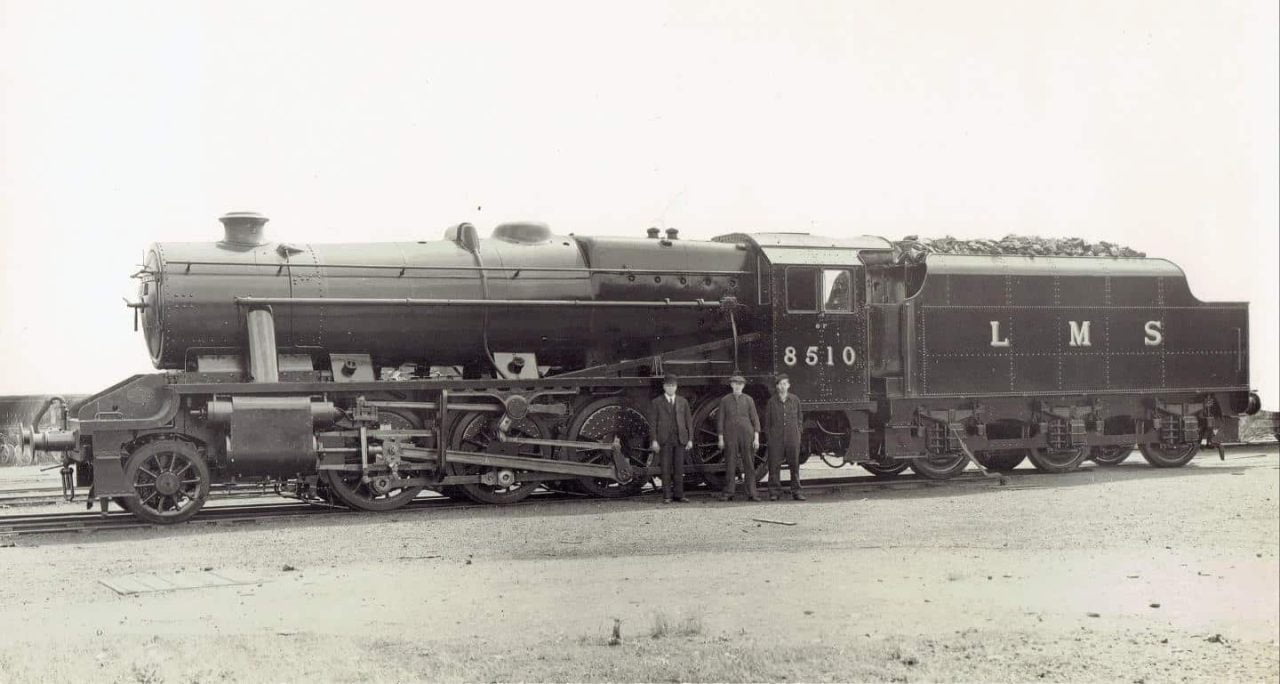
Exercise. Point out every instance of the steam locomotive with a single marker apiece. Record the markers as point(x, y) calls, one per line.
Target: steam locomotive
point(486, 368)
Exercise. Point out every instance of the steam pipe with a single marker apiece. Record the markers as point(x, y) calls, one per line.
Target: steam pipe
point(263, 363)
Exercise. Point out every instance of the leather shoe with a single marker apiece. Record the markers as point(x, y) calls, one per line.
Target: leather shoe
point(726, 497)
point(682, 499)
point(773, 497)
point(666, 501)
point(753, 497)
point(798, 496)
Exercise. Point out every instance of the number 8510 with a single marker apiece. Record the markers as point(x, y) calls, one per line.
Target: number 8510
point(816, 355)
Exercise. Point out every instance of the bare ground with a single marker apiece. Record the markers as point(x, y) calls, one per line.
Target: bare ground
point(1128, 574)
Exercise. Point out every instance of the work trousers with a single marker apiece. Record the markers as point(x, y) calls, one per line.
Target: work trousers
point(671, 459)
point(738, 454)
point(784, 449)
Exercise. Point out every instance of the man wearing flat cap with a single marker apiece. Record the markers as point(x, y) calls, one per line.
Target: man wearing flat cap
point(672, 423)
point(782, 422)
point(739, 428)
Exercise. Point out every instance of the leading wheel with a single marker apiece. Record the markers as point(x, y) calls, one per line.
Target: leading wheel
point(1175, 456)
point(1110, 455)
point(941, 467)
point(707, 451)
point(475, 432)
point(349, 486)
point(171, 481)
point(1057, 460)
point(602, 421)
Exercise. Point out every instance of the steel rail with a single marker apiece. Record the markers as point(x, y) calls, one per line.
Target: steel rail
point(247, 513)
point(43, 495)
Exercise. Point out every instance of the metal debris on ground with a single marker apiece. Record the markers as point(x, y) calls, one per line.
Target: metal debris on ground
point(773, 522)
point(145, 583)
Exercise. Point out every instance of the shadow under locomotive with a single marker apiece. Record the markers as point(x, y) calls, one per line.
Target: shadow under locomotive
point(486, 369)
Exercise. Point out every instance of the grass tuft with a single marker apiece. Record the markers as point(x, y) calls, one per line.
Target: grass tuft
point(664, 626)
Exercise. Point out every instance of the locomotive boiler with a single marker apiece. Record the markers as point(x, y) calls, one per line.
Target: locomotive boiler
point(485, 368)
point(418, 301)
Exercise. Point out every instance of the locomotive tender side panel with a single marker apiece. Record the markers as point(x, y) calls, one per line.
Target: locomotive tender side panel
point(1034, 325)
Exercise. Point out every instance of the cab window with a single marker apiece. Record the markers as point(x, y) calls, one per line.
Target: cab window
point(837, 290)
point(802, 289)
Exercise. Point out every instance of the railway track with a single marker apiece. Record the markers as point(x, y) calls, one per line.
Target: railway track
point(53, 494)
point(226, 512)
point(89, 521)
point(33, 495)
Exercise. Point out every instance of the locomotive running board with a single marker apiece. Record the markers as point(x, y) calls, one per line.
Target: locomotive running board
point(655, 362)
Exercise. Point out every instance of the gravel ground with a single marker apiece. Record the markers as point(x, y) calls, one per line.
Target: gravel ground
point(1125, 574)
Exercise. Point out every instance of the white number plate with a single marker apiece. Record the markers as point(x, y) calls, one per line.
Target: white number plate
point(816, 355)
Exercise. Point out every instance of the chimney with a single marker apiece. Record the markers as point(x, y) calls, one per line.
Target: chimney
point(673, 234)
point(654, 233)
point(244, 228)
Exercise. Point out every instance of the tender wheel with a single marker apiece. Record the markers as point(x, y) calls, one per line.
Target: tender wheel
point(1110, 455)
point(601, 421)
point(943, 467)
point(349, 488)
point(475, 432)
point(706, 450)
point(170, 478)
point(885, 471)
point(1057, 460)
point(1000, 461)
point(1169, 457)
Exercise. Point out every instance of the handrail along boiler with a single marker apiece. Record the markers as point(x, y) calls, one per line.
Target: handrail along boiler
point(486, 368)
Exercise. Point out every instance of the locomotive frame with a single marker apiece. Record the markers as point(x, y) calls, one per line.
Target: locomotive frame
point(259, 384)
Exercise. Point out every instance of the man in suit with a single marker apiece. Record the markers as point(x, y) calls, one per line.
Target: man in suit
point(672, 424)
point(782, 424)
point(739, 428)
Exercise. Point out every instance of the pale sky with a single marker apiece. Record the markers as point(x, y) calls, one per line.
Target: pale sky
point(1152, 124)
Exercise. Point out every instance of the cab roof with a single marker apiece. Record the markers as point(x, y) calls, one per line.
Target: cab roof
point(805, 248)
point(805, 240)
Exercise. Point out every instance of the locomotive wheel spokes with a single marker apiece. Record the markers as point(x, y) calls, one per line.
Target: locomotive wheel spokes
point(1057, 460)
point(1000, 461)
point(887, 470)
point(602, 421)
point(476, 432)
point(349, 486)
point(1175, 456)
point(707, 451)
point(1110, 455)
point(940, 467)
point(171, 481)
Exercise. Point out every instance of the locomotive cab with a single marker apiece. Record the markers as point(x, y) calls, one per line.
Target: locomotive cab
point(815, 291)
point(819, 327)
